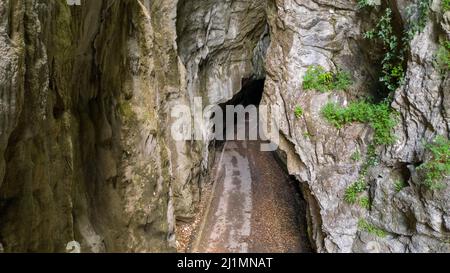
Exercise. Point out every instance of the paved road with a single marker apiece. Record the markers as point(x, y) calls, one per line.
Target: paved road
point(255, 205)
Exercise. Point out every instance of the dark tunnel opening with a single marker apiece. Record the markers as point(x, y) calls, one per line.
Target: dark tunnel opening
point(276, 195)
point(250, 94)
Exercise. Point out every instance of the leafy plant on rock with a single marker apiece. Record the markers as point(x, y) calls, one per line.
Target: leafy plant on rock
point(443, 57)
point(298, 111)
point(445, 5)
point(317, 78)
point(379, 116)
point(438, 167)
point(363, 225)
point(399, 185)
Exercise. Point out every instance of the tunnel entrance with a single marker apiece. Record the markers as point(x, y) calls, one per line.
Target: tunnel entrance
point(249, 98)
point(255, 206)
point(250, 94)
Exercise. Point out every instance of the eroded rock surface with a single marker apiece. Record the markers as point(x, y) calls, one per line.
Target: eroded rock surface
point(86, 152)
point(83, 96)
point(330, 34)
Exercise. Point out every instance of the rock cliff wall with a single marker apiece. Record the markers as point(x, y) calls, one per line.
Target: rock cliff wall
point(330, 34)
point(86, 152)
point(84, 92)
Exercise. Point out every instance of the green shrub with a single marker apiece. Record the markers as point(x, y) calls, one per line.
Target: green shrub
point(392, 63)
point(342, 80)
point(352, 192)
point(372, 158)
point(399, 185)
point(443, 56)
point(418, 15)
point(363, 225)
point(356, 156)
point(366, 3)
point(438, 167)
point(396, 44)
point(298, 111)
point(445, 5)
point(316, 78)
point(364, 202)
point(379, 116)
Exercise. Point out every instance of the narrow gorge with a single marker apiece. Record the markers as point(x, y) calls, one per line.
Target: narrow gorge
point(87, 149)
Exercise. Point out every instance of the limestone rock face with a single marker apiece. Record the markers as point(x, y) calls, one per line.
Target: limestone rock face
point(221, 44)
point(330, 34)
point(86, 99)
point(83, 144)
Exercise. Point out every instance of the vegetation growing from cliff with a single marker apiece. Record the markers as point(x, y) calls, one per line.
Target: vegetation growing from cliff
point(354, 191)
point(363, 225)
point(445, 5)
point(298, 111)
point(317, 78)
point(438, 167)
point(418, 15)
point(379, 116)
point(443, 57)
point(392, 63)
point(382, 119)
point(364, 202)
point(395, 45)
point(356, 156)
point(366, 3)
point(399, 185)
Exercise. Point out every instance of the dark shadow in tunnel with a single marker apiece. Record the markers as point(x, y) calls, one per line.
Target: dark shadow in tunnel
point(250, 94)
point(271, 181)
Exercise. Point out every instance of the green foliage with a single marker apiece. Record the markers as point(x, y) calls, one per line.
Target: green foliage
point(352, 192)
point(363, 225)
point(379, 116)
point(395, 48)
point(372, 158)
point(356, 156)
point(443, 57)
point(364, 202)
point(298, 111)
point(381, 119)
point(366, 3)
point(316, 78)
point(438, 167)
point(392, 63)
point(399, 185)
point(445, 5)
point(418, 15)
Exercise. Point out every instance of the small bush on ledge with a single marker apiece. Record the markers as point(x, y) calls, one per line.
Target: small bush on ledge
point(445, 5)
point(316, 78)
point(298, 111)
point(399, 185)
point(363, 225)
point(438, 168)
point(368, 3)
point(379, 116)
point(443, 57)
point(352, 193)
